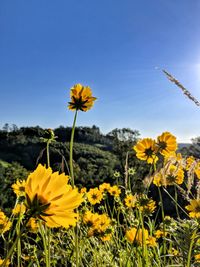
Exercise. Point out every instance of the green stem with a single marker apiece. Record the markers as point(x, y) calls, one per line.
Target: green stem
point(71, 150)
point(163, 219)
point(18, 245)
point(72, 182)
point(190, 249)
point(48, 157)
point(45, 243)
point(176, 201)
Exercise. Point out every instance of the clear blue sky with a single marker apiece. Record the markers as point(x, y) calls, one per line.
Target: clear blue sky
point(115, 47)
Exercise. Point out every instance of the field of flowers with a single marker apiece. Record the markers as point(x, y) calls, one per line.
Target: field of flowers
point(55, 223)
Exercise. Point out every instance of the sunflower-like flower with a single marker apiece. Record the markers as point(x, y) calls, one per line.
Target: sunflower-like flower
point(20, 208)
point(175, 175)
point(158, 179)
point(138, 236)
point(5, 224)
point(90, 219)
point(94, 196)
point(81, 98)
point(197, 258)
point(160, 233)
point(104, 187)
point(194, 208)
point(146, 205)
point(146, 150)
point(4, 263)
point(19, 188)
point(114, 191)
point(130, 201)
point(50, 198)
point(166, 143)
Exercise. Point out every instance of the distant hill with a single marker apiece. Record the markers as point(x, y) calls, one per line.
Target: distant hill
point(181, 145)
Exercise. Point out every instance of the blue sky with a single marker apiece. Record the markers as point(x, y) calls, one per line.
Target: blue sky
point(117, 48)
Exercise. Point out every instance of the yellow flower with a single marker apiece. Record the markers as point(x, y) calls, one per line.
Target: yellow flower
point(5, 224)
point(114, 191)
point(159, 234)
point(197, 170)
point(98, 223)
point(103, 223)
point(104, 187)
point(146, 205)
point(19, 188)
point(19, 208)
point(138, 236)
point(146, 150)
point(90, 219)
point(175, 175)
point(197, 258)
point(152, 241)
point(130, 201)
point(174, 252)
point(33, 225)
point(157, 179)
point(83, 190)
point(50, 198)
point(5, 264)
point(189, 161)
point(194, 208)
point(106, 237)
point(166, 143)
point(94, 196)
point(81, 98)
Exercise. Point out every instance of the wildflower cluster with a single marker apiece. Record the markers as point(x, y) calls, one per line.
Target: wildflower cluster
point(148, 149)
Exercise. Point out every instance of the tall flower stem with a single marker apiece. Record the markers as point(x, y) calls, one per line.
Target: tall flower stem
point(72, 181)
point(190, 249)
point(44, 235)
point(163, 219)
point(48, 232)
point(48, 157)
point(71, 150)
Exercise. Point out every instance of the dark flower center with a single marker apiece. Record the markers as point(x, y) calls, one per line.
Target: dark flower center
point(148, 152)
point(94, 196)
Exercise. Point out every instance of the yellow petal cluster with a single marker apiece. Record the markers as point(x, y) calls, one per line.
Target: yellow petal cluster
point(5, 224)
point(140, 236)
point(81, 98)
point(146, 150)
point(19, 188)
point(194, 208)
point(130, 201)
point(94, 196)
point(99, 225)
point(166, 143)
point(20, 208)
point(114, 191)
point(50, 198)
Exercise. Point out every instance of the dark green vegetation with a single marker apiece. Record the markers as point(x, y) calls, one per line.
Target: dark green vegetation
point(96, 156)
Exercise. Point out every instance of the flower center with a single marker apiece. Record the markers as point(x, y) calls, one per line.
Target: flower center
point(94, 196)
point(148, 152)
